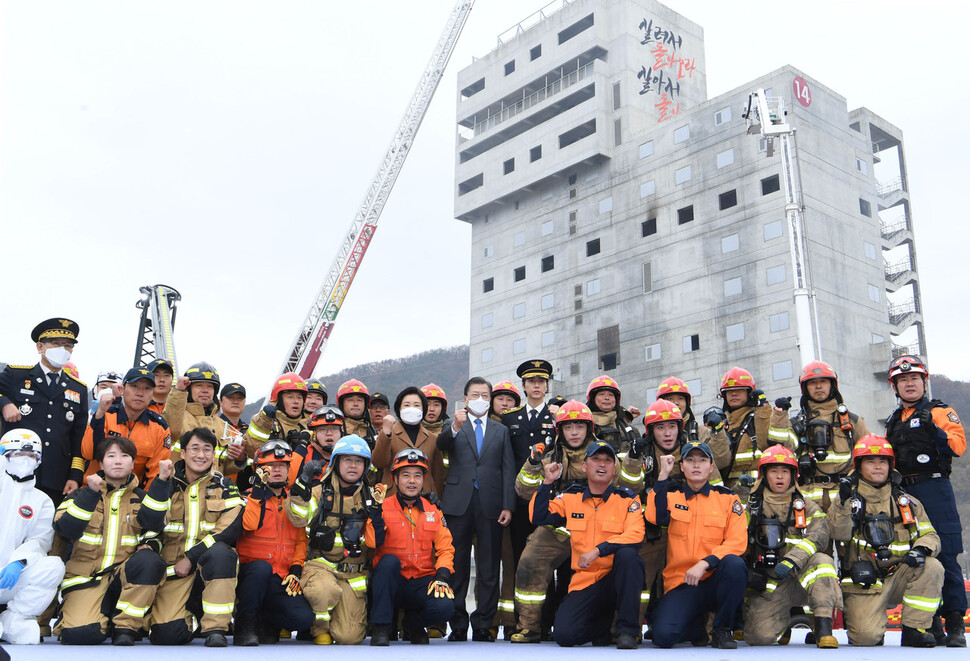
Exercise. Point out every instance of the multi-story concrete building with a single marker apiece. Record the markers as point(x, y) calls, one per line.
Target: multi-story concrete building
point(623, 222)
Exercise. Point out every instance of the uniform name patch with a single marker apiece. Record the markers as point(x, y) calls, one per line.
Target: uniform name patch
point(681, 507)
point(738, 508)
point(26, 511)
point(578, 515)
point(72, 396)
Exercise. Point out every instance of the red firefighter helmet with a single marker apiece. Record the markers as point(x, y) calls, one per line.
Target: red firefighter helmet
point(602, 383)
point(872, 445)
point(736, 378)
point(905, 365)
point(410, 457)
point(353, 387)
point(778, 455)
point(673, 386)
point(573, 411)
point(661, 411)
point(432, 391)
point(507, 388)
point(819, 370)
point(288, 382)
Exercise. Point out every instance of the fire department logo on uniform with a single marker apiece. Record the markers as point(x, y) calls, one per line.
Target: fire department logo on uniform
point(634, 506)
point(429, 516)
point(26, 511)
point(738, 508)
point(954, 418)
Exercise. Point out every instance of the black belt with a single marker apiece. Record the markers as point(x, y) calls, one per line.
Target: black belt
point(916, 479)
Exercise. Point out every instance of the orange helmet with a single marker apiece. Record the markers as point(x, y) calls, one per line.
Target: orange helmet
point(778, 455)
point(573, 411)
point(673, 386)
point(326, 415)
point(661, 411)
point(353, 387)
point(602, 383)
point(410, 457)
point(736, 378)
point(507, 388)
point(289, 382)
point(819, 370)
point(871, 445)
point(432, 391)
point(905, 365)
point(272, 451)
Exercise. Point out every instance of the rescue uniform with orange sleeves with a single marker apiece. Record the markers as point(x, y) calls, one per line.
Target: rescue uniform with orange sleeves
point(205, 520)
point(107, 527)
point(926, 436)
point(788, 566)
point(708, 525)
point(886, 543)
point(653, 550)
point(414, 553)
point(271, 555)
point(149, 432)
point(547, 548)
point(612, 522)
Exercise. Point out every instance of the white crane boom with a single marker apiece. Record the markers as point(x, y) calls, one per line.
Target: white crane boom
point(318, 324)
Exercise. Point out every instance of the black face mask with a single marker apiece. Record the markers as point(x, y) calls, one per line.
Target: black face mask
point(770, 534)
point(878, 531)
point(818, 437)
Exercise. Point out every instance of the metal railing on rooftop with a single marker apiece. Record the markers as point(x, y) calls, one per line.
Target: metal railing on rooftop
point(532, 20)
point(526, 102)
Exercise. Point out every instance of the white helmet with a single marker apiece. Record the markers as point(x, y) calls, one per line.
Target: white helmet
point(21, 440)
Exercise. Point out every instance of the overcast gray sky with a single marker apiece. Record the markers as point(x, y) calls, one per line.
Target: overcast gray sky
point(223, 148)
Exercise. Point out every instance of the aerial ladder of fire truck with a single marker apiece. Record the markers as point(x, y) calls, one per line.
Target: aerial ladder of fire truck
point(766, 117)
point(158, 306)
point(316, 328)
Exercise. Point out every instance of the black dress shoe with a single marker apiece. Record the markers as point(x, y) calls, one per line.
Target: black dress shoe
point(483, 636)
point(626, 641)
point(458, 636)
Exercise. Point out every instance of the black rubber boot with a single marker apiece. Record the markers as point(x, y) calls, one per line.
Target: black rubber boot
point(939, 633)
point(380, 635)
point(916, 638)
point(723, 639)
point(956, 634)
point(823, 634)
point(244, 630)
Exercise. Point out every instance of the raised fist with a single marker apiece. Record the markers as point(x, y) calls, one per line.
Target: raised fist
point(94, 482)
point(165, 469)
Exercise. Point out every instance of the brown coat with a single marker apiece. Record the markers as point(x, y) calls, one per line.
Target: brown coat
point(388, 446)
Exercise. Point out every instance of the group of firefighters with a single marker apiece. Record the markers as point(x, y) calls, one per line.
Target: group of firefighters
point(156, 512)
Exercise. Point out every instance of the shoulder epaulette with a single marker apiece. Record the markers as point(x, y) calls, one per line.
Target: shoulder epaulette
point(71, 376)
point(624, 492)
point(575, 488)
point(157, 417)
point(720, 488)
point(517, 408)
point(21, 367)
point(938, 403)
point(432, 498)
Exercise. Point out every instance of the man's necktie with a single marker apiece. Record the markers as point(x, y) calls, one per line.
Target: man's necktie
point(479, 435)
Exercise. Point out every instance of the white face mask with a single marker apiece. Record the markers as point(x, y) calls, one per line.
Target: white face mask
point(22, 466)
point(478, 406)
point(411, 415)
point(58, 357)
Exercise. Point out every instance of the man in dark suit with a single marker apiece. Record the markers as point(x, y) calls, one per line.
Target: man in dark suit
point(52, 403)
point(533, 422)
point(478, 501)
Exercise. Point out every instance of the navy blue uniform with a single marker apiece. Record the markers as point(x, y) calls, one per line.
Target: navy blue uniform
point(58, 414)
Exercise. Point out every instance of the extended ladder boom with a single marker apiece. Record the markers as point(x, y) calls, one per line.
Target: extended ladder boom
point(155, 332)
point(319, 321)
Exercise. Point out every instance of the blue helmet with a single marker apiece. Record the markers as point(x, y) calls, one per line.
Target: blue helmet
point(353, 446)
